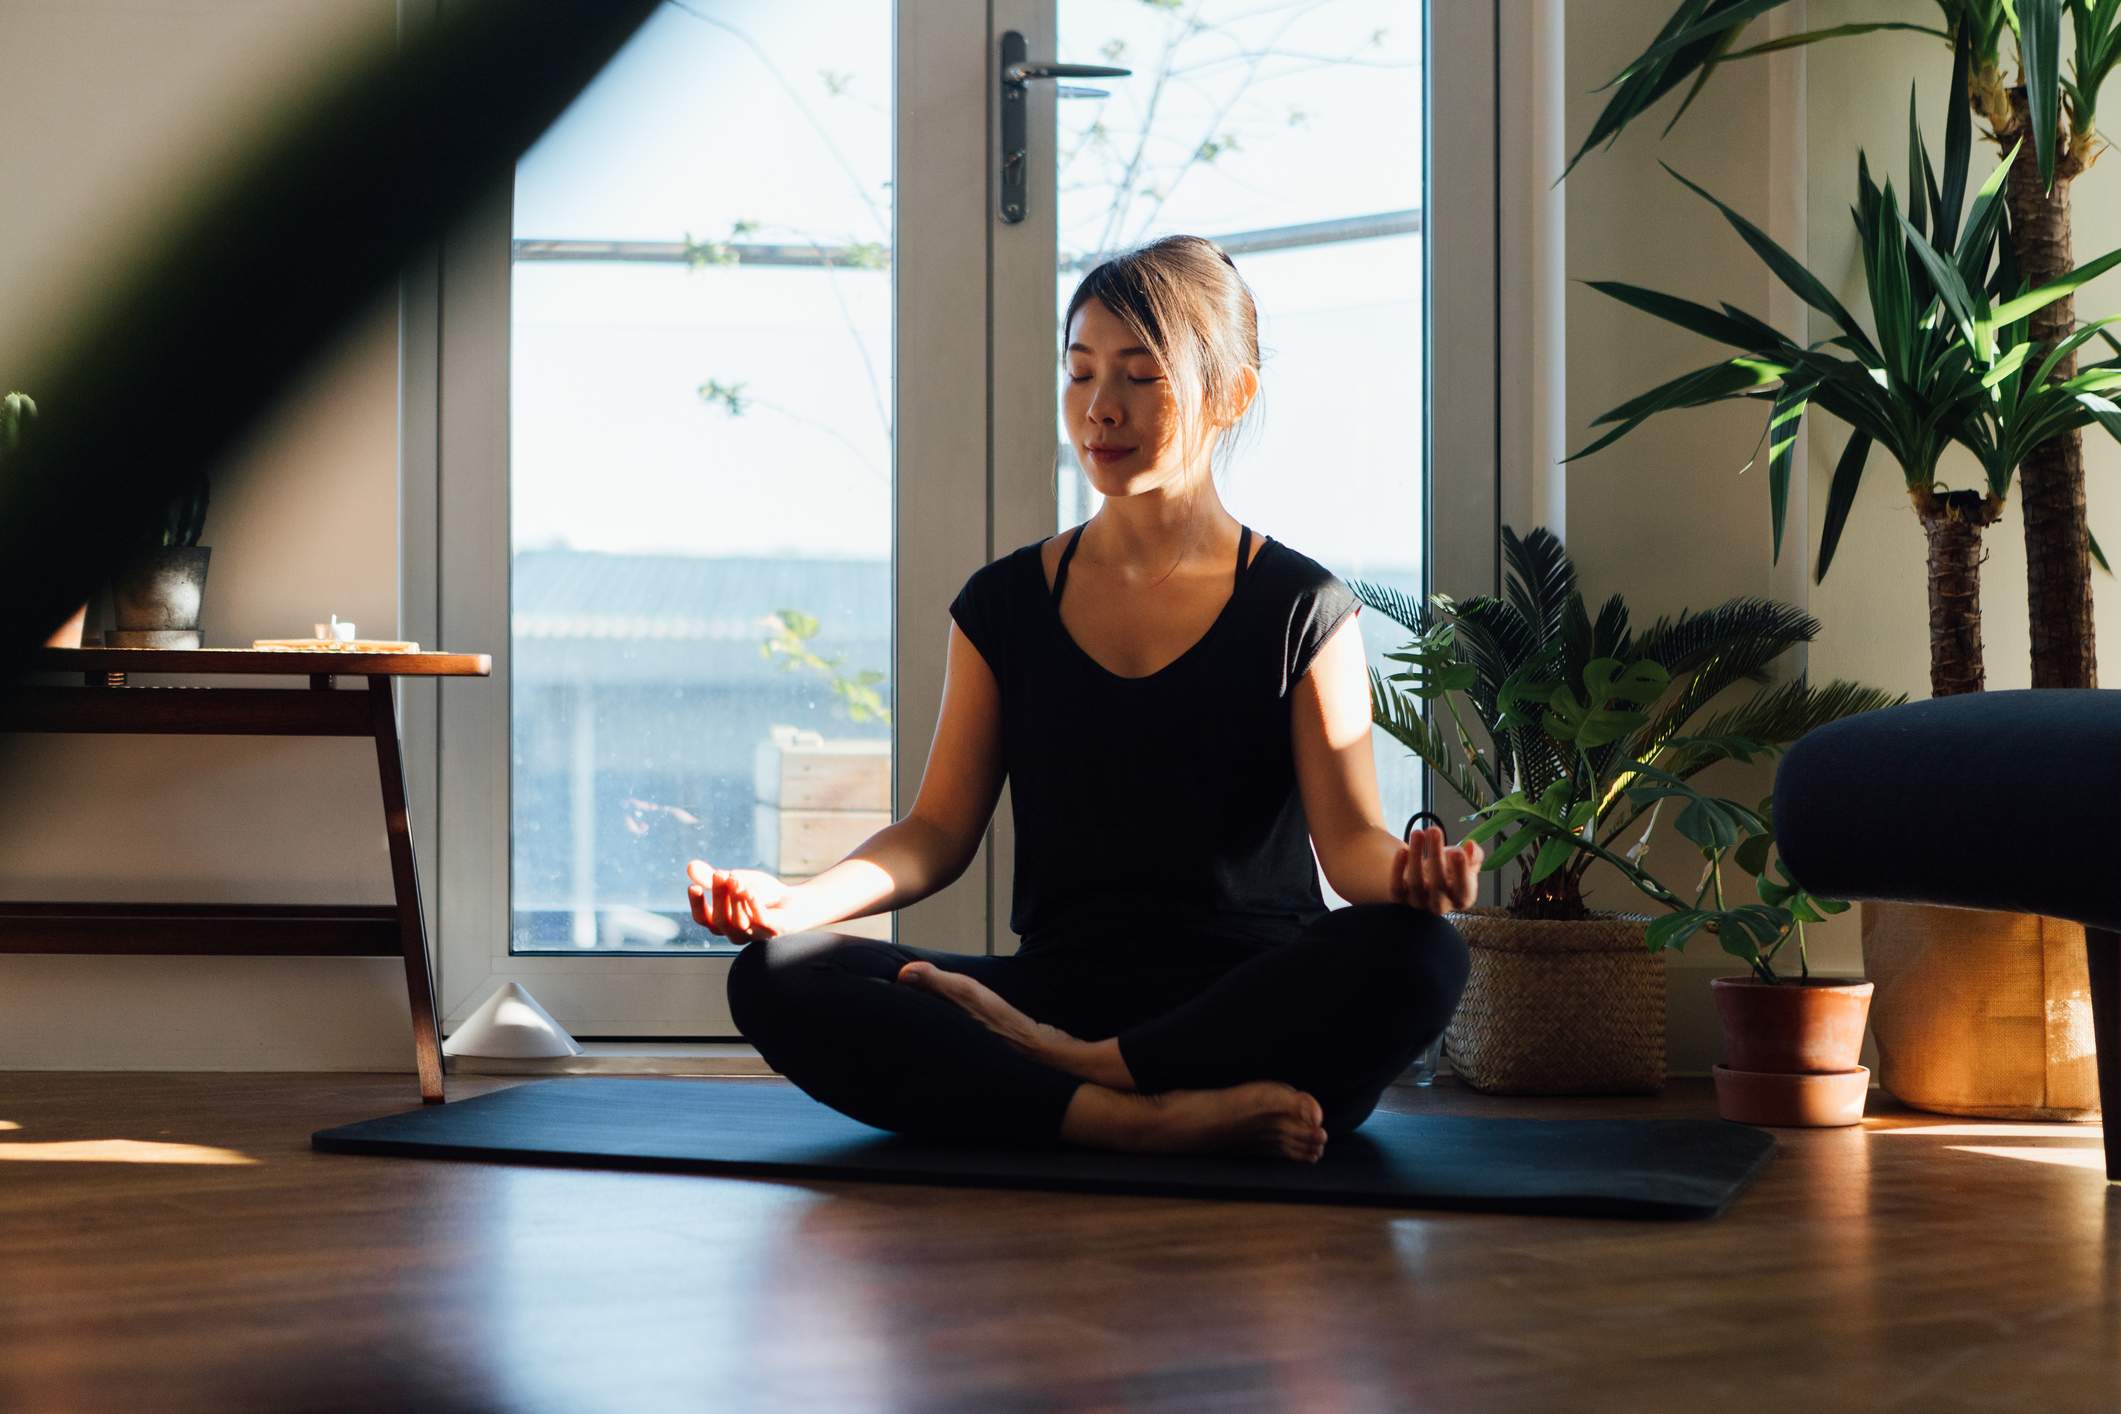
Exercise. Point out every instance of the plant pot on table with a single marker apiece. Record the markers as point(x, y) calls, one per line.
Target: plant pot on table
point(155, 600)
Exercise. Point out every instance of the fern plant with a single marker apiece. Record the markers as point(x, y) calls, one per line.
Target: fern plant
point(1567, 731)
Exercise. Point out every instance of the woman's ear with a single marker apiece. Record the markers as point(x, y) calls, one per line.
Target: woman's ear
point(1241, 396)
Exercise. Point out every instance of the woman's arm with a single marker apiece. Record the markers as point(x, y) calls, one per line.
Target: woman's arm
point(914, 857)
point(1336, 777)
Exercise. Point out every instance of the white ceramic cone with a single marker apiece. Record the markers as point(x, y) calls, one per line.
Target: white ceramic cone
point(511, 1024)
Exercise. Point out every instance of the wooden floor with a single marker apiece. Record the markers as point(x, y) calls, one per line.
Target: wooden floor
point(170, 1241)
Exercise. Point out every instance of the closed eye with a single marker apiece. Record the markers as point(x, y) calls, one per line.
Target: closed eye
point(1086, 378)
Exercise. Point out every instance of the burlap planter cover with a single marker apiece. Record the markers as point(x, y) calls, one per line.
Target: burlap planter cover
point(1978, 1013)
point(1554, 1008)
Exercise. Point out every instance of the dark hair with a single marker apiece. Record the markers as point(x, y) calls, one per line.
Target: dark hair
point(1183, 300)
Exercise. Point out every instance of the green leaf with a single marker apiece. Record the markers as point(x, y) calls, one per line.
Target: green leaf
point(1801, 282)
point(1814, 36)
point(1738, 331)
point(1841, 495)
point(1958, 141)
point(2040, 61)
point(2098, 555)
point(1509, 849)
point(1673, 929)
point(1785, 420)
point(2011, 311)
point(1552, 855)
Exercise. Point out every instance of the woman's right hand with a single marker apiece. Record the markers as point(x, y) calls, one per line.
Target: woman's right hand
point(747, 905)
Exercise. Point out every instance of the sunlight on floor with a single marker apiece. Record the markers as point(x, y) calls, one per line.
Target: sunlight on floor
point(114, 1151)
point(2093, 1157)
point(1998, 1129)
point(2086, 1149)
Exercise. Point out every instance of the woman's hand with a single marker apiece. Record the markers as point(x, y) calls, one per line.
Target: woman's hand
point(1432, 876)
point(747, 905)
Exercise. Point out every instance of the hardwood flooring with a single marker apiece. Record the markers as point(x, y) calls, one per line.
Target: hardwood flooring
point(170, 1241)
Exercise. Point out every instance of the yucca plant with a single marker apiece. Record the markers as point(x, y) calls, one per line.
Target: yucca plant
point(1583, 731)
point(1702, 35)
point(1945, 360)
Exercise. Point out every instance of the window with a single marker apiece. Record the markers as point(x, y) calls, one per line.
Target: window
point(744, 373)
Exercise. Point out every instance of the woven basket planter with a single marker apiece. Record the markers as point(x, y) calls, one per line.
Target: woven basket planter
point(1559, 1008)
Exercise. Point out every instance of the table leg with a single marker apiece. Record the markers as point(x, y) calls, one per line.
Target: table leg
point(412, 926)
point(2102, 959)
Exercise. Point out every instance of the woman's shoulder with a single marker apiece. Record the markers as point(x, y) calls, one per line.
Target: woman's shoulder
point(1292, 571)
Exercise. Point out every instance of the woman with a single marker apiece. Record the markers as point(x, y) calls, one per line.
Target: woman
point(1178, 733)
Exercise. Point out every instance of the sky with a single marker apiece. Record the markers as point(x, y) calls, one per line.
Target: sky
point(721, 111)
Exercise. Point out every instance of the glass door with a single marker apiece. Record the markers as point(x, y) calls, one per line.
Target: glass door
point(1293, 136)
point(690, 471)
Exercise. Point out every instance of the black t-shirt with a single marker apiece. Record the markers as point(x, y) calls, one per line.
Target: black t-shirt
point(1171, 794)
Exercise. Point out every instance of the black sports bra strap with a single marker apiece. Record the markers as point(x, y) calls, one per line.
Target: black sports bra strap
point(1244, 555)
point(1060, 574)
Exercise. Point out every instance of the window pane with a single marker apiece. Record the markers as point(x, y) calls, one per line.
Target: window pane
point(1292, 136)
point(701, 462)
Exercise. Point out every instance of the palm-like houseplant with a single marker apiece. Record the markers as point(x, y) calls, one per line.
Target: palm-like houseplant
point(1581, 730)
point(1949, 358)
point(1586, 727)
point(1701, 35)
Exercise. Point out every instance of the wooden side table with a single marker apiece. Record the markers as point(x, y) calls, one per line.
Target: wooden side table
point(106, 703)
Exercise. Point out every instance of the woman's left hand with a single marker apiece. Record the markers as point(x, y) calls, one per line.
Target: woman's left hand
point(1434, 876)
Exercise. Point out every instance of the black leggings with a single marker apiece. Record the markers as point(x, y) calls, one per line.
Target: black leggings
point(1338, 1012)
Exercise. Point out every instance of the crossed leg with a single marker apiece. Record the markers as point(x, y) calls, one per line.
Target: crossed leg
point(1272, 1054)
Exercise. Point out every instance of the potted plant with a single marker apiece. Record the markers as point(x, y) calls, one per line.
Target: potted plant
point(155, 600)
point(1583, 738)
point(2050, 110)
point(16, 410)
point(1954, 353)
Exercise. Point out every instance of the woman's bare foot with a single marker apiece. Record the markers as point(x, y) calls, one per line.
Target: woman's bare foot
point(1258, 1117)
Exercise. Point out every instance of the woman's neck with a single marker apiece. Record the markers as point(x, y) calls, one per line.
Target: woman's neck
point(1138, 537)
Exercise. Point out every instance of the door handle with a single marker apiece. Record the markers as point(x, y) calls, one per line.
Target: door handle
point(1015, 73)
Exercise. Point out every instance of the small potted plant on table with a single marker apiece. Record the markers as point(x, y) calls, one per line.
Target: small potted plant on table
point(1585, 743)
point(156, 600)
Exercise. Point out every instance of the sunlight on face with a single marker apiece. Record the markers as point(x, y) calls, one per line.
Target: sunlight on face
point(1117, 395)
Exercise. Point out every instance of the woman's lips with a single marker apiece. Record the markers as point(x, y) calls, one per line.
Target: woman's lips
point(1110, 454)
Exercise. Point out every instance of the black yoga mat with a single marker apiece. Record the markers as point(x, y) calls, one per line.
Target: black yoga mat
point(1634, 1168)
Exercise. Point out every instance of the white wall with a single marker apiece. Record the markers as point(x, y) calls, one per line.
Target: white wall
point(1664, 517)
point(111, 107)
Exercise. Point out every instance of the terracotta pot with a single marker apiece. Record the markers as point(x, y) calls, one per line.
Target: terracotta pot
point(1750, 1097)
point(1809, 1026)
point(68, 634)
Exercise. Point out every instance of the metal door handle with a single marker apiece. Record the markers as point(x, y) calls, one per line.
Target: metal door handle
point(1016, 71)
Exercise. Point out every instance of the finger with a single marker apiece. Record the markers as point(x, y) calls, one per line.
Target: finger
point(721, 902)
point(697, 897)
point(1428, 866)
point(700, 872)
point(1458, 872)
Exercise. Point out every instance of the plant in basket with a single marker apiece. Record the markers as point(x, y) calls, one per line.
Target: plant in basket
point(1570, 734)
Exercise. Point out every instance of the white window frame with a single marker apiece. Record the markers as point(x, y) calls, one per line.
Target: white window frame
point(962, 497)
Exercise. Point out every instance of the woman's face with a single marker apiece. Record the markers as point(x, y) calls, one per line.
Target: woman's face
point(1121, 411)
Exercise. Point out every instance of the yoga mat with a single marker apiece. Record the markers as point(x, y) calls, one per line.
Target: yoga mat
point(1634, 1168)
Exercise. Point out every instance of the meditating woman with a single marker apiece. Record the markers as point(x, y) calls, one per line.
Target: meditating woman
point(1182, 710)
